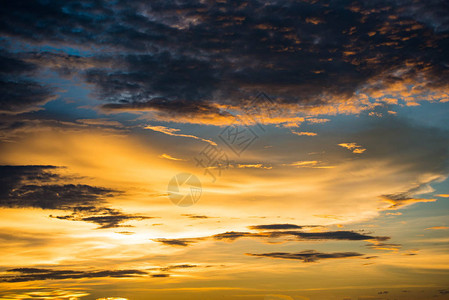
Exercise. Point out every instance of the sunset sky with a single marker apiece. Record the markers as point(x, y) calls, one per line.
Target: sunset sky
point(244, 150)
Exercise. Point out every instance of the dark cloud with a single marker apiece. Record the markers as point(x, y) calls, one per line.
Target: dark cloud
point(444, 292)
point(173, 267)
point(307, 256)
point(102, 216)
point(233, 235)
point(400, 200)
point(160, 275)
point(183, 57)
point(331, 235)
point(276, 227)
point(22, 186)
point(33, 274)
point(18, 92)
point(195, 216)
point(288, 234)
point(39, 187)
point(177, 242)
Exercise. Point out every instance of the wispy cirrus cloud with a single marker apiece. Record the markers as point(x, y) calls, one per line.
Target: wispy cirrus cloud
point(173, 132)
point(438, 228)
point(169, 157)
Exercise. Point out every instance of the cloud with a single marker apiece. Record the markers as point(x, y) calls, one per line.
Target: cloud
point(265, 232)
point(19, 93)
point(321, 57)
point(160, 275)
point(42, 293)
point(169, 157)
point(33, 274)
point(172, 132)
point(304, 133)
point(384, 246)
point(102, 216)
point(22, 187)
point(353, 147)
point(308, 255)
point(40, 187)
point(314, 164)
point(276, 227)
point(402, 200)
point(393, 214)
point(253, 166)
point(191, 216)
point(438, 228)
point(177, 242)
point(100, 122)
point(177, 267)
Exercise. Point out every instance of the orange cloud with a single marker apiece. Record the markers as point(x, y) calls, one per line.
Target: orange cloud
point(172, 132)
point(304, 133)
point(353, 147)
point(438, 228)
point(400, 201)
point(167, 156)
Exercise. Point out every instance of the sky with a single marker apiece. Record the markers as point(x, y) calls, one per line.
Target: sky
point(244, 150)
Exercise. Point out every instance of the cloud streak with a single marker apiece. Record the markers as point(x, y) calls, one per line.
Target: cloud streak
point(307, 256)
point(172, 132)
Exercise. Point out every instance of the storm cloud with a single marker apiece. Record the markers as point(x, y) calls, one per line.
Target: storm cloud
point(190, 57)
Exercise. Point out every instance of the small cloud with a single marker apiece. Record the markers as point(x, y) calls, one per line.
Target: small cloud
point(172, 132)
point(276, 227)
point(438, 228)
point(253, 166)
point(177, 267)
point(167, 156)
point(402, 200)
point(384, 246)
point(304, 133)
point(393, 213)
point(307, 256)
point(104, 217)
point(160, 275)
point(125, 232)
point(314, 20)
point(317, 120)
point(176, 242)
point(290, 125)
point(353, 147)
point(195, 216)
point(99, 122)
point(443, 195)
point(33, 274)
